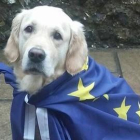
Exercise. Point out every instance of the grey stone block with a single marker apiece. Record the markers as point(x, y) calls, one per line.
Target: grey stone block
point(5, 128)
point(130, 65)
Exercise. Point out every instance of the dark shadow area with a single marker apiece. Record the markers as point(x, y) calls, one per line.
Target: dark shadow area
point(108, 23)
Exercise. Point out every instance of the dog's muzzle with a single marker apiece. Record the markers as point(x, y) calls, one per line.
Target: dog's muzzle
point(36, 56)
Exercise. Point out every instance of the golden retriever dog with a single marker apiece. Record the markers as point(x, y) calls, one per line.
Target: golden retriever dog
point(44, 43)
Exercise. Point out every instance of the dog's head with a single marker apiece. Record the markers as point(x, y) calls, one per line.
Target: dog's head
point(44, 40)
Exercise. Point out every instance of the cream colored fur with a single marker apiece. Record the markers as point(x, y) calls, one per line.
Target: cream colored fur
point(68, 54)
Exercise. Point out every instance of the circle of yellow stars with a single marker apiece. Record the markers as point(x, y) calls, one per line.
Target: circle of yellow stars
point(83, 93)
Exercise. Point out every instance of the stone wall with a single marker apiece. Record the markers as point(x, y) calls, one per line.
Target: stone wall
point(108, 23)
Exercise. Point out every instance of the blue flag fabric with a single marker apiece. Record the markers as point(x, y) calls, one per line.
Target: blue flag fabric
point(92, 105)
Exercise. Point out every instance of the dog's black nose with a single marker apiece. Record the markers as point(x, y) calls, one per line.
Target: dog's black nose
point(36, 55)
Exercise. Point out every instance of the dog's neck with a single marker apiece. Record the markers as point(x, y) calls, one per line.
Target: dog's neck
point(32, 83)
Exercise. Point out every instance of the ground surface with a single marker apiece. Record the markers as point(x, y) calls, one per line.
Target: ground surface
point(124, 63)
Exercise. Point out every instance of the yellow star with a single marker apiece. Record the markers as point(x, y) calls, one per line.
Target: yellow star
point(106, 96)
point(122, 110)
point(85, 66)
point(83, 92)
point(138, 112)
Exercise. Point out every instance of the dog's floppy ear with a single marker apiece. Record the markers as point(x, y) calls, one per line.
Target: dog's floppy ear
point(11, 50)
point(77, 53)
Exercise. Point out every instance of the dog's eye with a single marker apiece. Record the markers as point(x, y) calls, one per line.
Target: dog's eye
point(28, 29)
point(57, 36)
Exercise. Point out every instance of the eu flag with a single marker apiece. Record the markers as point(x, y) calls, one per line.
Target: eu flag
point(92, 105)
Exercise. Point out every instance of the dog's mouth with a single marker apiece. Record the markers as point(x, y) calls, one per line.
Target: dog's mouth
point(34, 69)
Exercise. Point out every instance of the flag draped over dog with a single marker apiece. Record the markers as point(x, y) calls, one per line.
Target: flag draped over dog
point(92, 105)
